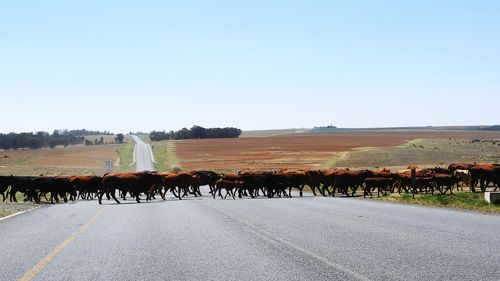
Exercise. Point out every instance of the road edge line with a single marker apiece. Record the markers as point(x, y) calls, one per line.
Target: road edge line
point(18, 213)
point(43, 262)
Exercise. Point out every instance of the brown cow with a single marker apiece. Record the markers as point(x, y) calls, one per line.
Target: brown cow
point(230, 186)
point(329, 177)
point(207, 178)
point(345, 179)
point(181, 180)
point(58, 187)
point(293, 179)
point(134, 183)
point(269, 183)
point(87, 186)
point(444, 181)
point(483, 174)
point(231, 177)
point(459, 166)
point(314, 180)
point(195, 184)
point(381, 184)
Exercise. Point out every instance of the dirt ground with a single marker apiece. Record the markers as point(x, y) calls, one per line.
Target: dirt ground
point(72, 160)
point(294, 151)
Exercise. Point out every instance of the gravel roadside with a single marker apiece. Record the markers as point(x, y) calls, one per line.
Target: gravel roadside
point(9, 208)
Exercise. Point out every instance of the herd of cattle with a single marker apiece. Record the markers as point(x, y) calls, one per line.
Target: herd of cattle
point(252, 183)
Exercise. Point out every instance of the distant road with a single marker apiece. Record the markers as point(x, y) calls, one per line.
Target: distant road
point(143, 161)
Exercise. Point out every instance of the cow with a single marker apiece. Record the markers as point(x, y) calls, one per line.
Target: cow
point(444, 181)
point(207, 178)
point(231, 177)
point(314, 180)
point(483, 174)
point(34, 187)
point(459, 166)
point(293, 179)
point(465, 177)
point(422, 181)
point(387, 175)
point(133, 183)
point(261, 180)
point(439, 170)
point(5, 182)
point(328, 180)
point(231, 187)
point(87, 186)
point(180, 181)
point(381, 184)
point(342, 180)
point(20, 184)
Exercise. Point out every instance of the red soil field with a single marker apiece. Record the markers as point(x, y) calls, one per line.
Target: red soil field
point(295, 151)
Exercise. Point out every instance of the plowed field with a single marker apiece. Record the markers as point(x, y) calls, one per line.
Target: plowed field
point(296, 150)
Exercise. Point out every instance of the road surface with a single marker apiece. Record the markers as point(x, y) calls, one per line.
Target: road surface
point(142, 155)
point(309, 238)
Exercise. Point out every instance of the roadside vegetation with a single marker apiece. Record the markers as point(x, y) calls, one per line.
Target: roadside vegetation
point(165, 157)
point(459, 200)
point(125, 153)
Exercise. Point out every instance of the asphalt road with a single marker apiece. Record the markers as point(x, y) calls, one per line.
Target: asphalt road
point(143, 161)
point(309, 238)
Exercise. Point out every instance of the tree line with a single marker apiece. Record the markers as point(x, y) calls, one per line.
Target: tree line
point(196, 132)
point(490, 128)
point(82, 132)
point(118, 139)
point(40, 140)
point(37, 140)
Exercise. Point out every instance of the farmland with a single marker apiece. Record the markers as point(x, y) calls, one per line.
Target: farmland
point(342, 149)
point(72, 160)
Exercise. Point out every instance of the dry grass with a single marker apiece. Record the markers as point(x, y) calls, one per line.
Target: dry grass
point(72, 160)
point(422, 152)
point(459, 200)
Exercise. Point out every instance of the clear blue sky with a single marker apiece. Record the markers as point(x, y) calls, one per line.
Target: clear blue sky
point(143, 65)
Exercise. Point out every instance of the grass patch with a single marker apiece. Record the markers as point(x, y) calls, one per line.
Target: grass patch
point(332, 162)
point(165, 157)
point(126, 153)
point(459, 200)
